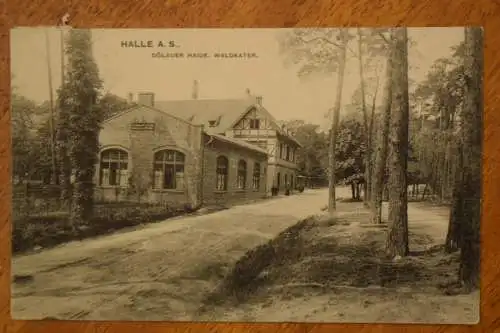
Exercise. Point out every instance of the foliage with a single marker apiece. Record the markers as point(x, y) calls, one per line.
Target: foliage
point(80, 119)
point(312, 157)
point(437, 104)
point(30, 139)
point(350, 150)
point(22, 111)
point(111, 105)
point(48, 231)
point(313, 50)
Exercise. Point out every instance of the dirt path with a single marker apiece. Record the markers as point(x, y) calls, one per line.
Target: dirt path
point(339, 277)
point(426, 220)
point(159, 272)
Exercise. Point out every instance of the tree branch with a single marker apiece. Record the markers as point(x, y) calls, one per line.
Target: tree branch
point(383, 37)
point(326, 40)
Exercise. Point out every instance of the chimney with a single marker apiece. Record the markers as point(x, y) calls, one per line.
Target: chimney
point(130, 98)
point(195, 89)
point(146, 98)
point(259, 100)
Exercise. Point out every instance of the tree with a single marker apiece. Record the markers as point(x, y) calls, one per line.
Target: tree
point(371, 42)
point(438, 100)
point(323, 51)
point(344, 39)
point(314, 149)
point(397, 239)
point(379, 172)
point(22, 111)
point(350, 153)
point(80, 120)
point(467, 206)
point(111, 105)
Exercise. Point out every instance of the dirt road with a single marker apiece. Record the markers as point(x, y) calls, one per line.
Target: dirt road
point(158, 272)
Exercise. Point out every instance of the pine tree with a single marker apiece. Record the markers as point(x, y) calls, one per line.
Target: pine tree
point(397, 239)
point(471, 153)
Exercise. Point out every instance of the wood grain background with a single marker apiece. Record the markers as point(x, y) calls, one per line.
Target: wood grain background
point(270, 13)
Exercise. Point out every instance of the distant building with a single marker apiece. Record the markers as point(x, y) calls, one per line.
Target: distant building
point(194, 151)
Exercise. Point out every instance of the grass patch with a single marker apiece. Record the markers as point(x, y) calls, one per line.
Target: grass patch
point(246, 273)
point(333, 253)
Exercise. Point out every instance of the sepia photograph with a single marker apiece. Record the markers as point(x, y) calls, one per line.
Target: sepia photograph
point(247, 175)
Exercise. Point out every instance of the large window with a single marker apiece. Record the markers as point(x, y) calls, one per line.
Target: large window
point(222, 172)
point(114, 168)
point(242, 174)
point(168, 170)
point(256, 176)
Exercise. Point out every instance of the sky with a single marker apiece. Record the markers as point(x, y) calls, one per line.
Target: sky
point(127, 70)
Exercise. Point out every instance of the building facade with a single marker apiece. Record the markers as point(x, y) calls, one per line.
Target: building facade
point(245, 120)
point(147, 154)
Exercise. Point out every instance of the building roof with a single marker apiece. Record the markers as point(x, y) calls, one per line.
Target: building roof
point(224, 113)
point(220, 137)
point(202, 111)
point(240, 143)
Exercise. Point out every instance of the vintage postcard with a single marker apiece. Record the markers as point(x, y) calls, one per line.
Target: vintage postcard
point(256, 175)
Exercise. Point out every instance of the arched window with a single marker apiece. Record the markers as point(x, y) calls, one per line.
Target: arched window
point(168, 170)
point(113, 167)
point(241, 180)
point(222, 172)
point(256, 176)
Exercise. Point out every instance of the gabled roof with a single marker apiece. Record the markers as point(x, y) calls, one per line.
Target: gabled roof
point(233, 141)
point(217, 115)
point(223, 112)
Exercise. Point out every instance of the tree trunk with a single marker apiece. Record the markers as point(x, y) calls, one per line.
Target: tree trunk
point(335, 124)
point(381, 154)
point(64, 167)
point(369, 150)
point(353, 191)
point(453, 236)
point(472, 147)
point(365, 112)
point(397, 239)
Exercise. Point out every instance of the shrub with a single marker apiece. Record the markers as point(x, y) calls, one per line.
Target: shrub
point(51, 230)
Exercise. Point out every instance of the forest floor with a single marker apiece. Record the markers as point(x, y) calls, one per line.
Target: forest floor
point(333, 270)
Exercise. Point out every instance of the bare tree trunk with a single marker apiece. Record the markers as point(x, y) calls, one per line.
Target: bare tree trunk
point(365, 112)
point(53, 177)
point(335, 124)
point(472, 147)
point(369, 151)
point(381, 154)
point(397, 238)
point(453, 236)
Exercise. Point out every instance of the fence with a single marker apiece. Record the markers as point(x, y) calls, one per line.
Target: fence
point(45, 201)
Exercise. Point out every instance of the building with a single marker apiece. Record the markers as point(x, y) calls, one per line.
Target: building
point(244, 119)
point(149, 154)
